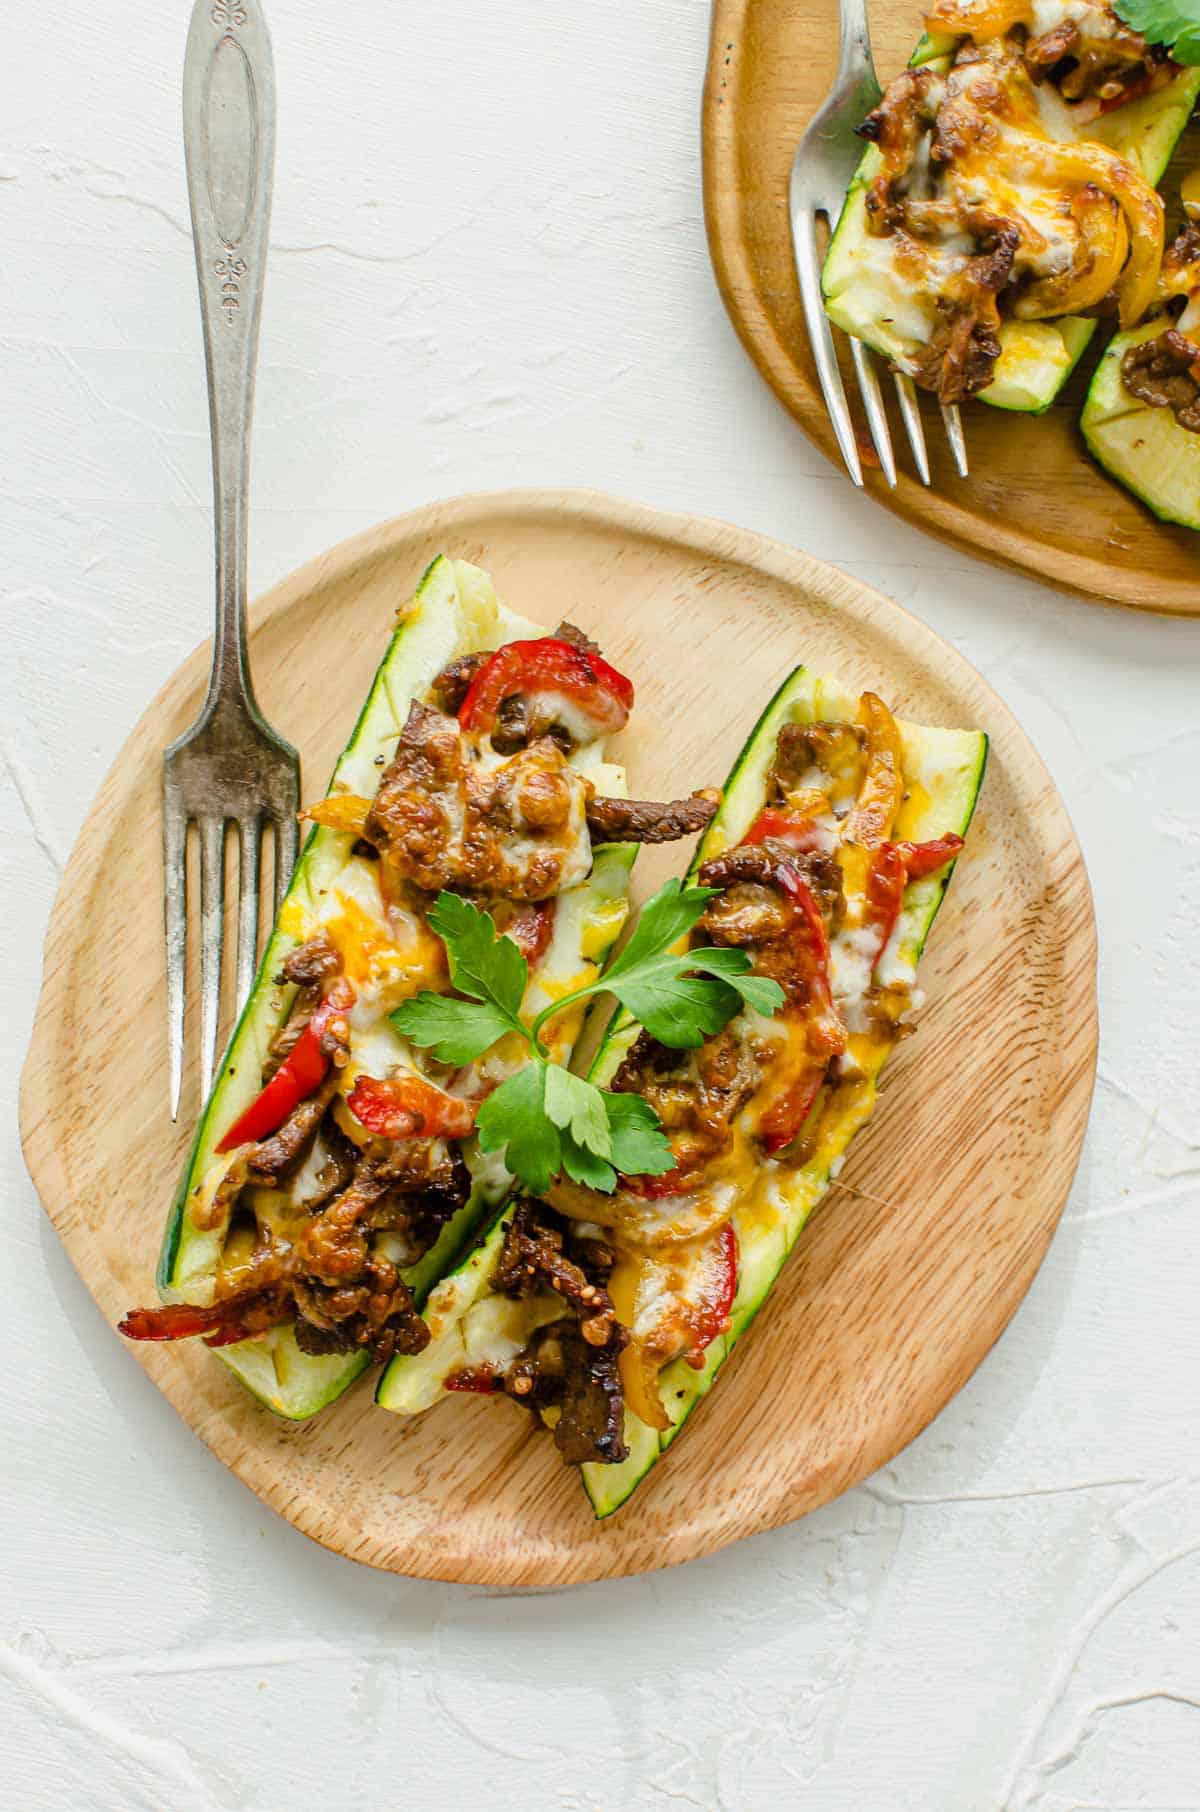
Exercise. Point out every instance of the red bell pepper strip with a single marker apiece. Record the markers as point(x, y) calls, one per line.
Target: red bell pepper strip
point(794, 832)
point(720, 1288)
point(922, 859)
point(299, 1075)
point(409, 1107)
point(783, 1119)
point(221, 1323)
point(593, 688)
point(893, 866)
point(660, 1188)
point(887, 878)
point(812, 940)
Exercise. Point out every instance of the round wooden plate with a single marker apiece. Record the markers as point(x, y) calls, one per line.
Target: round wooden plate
point(1034, 499)
point(920, 1255)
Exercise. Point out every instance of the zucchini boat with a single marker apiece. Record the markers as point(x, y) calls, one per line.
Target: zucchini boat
point(1141, 419)
point(1007, 195)
point(334, 1173)
point(830, 855)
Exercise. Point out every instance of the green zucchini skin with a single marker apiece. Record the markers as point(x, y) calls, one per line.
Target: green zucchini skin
point(452, 605)
point(1144, 449)
point(1037, 357)
point(960, 757)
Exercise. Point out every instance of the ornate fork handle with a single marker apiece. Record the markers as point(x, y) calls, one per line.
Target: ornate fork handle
point(229, 141)
point(854, 46)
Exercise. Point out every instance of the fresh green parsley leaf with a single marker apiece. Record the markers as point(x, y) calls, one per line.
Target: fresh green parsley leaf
point(457, 1031)
point(487, 967)
point(666, 917)
point(514, 1120)
point(546, 1120)
point(482, 964)
point(1175, 23)
point(639, 1145)
point(585, 1168)
point(681, 996)
point(679, 1010)
point(734, 966)
point(577, 1107)
point(680, 1007)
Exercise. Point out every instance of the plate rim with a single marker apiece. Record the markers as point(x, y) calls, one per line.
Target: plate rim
point(629, 1553)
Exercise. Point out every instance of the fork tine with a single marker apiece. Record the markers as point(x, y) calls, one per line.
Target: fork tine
point(954, 434)
point(287, 842)
point(212, 941)
point(249, 846)
point(820, 336)
point(175, 865)
point(910, 414)
point(877, 421)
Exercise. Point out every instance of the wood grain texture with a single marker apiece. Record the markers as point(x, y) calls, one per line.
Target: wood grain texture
point(922, 1251)
point(1034, 499)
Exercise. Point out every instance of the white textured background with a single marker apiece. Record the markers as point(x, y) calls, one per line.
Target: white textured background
point(489, 268)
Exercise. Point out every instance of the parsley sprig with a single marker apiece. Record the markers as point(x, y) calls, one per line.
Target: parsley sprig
point(546, 1120)
point(1175, 23)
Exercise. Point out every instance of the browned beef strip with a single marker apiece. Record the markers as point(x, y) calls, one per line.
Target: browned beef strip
point(900, 122)
point(534, 1256)
point(567, 632)
point(1159, 372)
point(313, 963)
point(377, 1315)
point(271, 1160)
point(647, 821)
point(337, 1171)
point(453, 683)
point(559, 1367)
point(414, 1188)
point(836, 749)
point(961, 355)
point(418, 1210)
point(758, 863)
point(1041, 54)
point(442, 820)
point(697, 1095)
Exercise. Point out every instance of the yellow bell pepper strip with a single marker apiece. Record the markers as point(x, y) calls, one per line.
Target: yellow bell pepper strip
point(874, 811)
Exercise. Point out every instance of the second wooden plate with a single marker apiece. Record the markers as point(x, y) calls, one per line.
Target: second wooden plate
point(1034, 499)
point(923, 1249)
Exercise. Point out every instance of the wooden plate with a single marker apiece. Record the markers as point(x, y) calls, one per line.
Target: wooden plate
point(918, 1259)
point(1034, 499)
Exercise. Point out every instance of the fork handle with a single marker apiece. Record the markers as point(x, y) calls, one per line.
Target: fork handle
point(229, 143)
point(854, 43)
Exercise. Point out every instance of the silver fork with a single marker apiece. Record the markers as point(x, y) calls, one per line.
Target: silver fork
point(230, 770)
point(826, 159)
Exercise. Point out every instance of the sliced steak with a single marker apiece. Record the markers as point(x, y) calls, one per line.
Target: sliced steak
point(647, 821)
point(1165, 372)
point(443, 820)
point(313, 963)
point(453, 683)
point(285, 1149)
point(560, 1368)
point(567, 632)
point(534, 1255)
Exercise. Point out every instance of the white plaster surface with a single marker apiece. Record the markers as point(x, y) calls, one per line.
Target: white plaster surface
point(489, 268)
